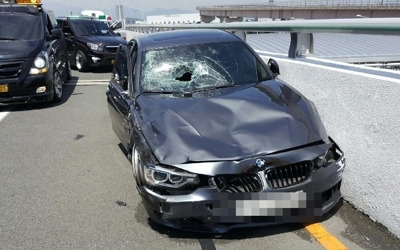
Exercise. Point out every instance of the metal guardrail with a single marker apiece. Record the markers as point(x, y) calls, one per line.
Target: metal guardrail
point(301, 30)
point(308, 3)
point(382, 26)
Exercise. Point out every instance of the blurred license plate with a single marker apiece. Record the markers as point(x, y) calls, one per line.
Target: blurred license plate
point(3, 88)
point(274, 207)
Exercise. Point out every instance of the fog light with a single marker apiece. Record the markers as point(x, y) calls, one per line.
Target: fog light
point(95, 59)
point(40, 90)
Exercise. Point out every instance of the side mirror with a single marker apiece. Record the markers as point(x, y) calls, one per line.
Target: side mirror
point(273, 66)
point(116, 25)
point(56, 33)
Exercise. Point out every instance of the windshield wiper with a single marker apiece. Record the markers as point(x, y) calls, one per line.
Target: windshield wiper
point(161, 92)
point(188, 91)
point(213, 88)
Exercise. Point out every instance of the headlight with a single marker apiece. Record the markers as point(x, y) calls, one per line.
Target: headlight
point(40, 65)
point(95, 46)
point(168, 177)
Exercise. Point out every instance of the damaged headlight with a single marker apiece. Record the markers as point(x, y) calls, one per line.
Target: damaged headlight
point(326, 159)
point(168, 177)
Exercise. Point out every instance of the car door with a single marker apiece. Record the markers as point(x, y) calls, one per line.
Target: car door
point(69, 40)
point(119, 95)
point(58, 46)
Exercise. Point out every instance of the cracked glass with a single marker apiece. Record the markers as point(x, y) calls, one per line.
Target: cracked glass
point(196, 67)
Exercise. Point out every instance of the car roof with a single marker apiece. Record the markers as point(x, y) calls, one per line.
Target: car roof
point(23, 9)
point(81, 20)
point(182, 37)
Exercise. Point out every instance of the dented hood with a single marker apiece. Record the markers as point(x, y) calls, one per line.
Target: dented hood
point(236, 124)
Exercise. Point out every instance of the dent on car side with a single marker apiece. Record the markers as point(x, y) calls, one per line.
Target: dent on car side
point(210, 154)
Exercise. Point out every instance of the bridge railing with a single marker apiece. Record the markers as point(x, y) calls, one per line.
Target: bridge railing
point(307, 3)
point(301, 30)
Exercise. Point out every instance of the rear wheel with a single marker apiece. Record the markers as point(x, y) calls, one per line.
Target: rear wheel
point(81, 61)
point(57, 86)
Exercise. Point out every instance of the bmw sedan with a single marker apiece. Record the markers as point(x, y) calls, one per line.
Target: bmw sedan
point(216, 140)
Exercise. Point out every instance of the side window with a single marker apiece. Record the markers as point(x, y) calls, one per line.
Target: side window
point(120, 71)
point(52, 19)
point(49, 26)
point(66, 29)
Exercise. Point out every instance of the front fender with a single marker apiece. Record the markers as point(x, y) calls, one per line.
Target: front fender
point(138, 141)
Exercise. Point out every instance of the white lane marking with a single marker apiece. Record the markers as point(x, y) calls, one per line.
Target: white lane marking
point(3, 115)
point(86, 82)
point(6, 111)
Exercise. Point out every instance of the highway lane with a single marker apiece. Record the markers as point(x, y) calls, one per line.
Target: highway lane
point(64, 178)
point(65, 183)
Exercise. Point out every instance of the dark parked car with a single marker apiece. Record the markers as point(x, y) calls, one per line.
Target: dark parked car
point(33, 54)
point(91, 43)
point(217, 141)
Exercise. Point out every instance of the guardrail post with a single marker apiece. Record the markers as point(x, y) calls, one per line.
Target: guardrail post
point(301, 44)
point(241, 34)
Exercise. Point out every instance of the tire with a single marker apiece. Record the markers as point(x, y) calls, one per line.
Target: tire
point(57, 86)
point(136, 166)
point(81, 61)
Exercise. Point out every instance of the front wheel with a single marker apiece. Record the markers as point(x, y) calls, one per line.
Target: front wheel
point(81, 61)
point(136, 166)
point(57, 86)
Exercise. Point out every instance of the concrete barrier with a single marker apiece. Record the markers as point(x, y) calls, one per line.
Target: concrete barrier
point(127, 34)
point(361, 112)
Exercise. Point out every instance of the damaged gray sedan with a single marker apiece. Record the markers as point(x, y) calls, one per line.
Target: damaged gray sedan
point(217, 141)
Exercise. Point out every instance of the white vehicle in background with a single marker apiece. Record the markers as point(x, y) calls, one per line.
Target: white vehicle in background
point(97, 14)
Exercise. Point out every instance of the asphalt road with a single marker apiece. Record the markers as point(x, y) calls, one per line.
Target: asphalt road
point(65, 183)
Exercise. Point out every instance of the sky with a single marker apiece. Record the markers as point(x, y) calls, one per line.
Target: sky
point(136, 8)
point(140, 6)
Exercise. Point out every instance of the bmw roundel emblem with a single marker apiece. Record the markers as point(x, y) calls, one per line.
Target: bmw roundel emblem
point(260, 163)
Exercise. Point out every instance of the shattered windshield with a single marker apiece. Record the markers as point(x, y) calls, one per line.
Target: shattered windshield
point(197, 67)
point(92, 28)
point(20, 27)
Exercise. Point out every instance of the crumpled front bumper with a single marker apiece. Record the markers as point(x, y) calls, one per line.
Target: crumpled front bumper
point(207, 210)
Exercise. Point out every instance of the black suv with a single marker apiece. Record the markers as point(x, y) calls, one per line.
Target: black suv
point(33, 55)
point(90, 43)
